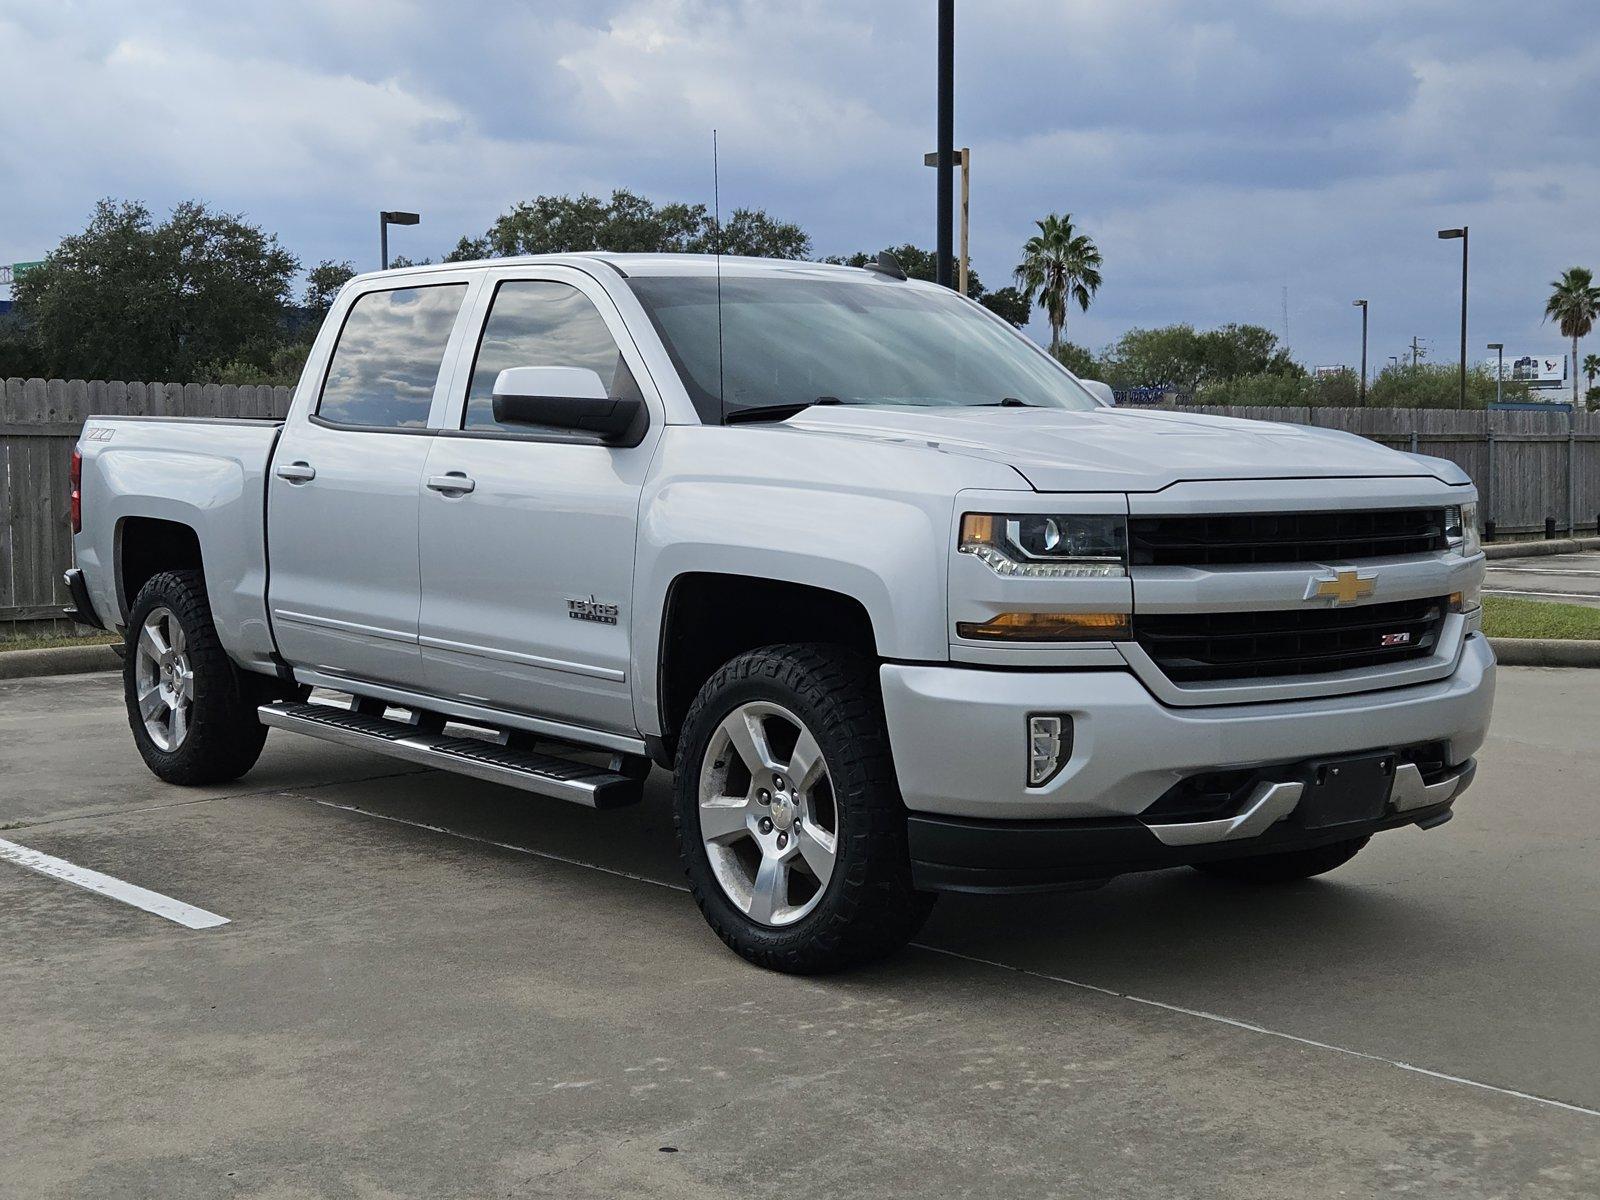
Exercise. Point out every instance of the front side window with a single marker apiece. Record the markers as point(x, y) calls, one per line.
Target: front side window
point(540, 323)
point(387, 362)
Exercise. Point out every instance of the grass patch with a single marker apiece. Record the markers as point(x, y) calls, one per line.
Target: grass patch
point(51, 643)
point(1514, 617)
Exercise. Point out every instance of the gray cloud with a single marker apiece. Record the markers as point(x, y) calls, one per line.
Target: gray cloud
point(1219, 150)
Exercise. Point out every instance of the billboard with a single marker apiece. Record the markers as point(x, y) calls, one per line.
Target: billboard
point(1535, 370)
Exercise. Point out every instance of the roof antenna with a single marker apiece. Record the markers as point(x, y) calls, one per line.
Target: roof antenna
point(716, 203)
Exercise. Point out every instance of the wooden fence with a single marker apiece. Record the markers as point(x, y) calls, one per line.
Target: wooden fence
point(1529, 466)
point(39, 424)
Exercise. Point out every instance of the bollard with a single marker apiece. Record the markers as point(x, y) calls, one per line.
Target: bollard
point(1549, 529)
point(1488, 531)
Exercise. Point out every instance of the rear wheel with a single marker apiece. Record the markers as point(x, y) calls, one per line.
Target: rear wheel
point(790, 824)
point(192, 712)
point(1287, 867)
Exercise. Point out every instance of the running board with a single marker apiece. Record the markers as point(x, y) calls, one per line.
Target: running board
point(528, 770)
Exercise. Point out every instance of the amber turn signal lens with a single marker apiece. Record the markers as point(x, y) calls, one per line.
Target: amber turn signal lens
point(1048, 627)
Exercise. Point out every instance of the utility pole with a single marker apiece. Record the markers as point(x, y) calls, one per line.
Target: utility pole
point(946, 141)
point(1418, 351)
point(964, 161)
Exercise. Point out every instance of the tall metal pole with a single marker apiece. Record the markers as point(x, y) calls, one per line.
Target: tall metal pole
point(383, 239)
point(1362, 304)
point(1464, 316)
point(946, 141)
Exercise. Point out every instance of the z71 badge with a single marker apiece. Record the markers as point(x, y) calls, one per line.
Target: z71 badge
point(592, 610)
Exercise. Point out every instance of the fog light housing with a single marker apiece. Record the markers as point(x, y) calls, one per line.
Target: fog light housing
point(1049, 747)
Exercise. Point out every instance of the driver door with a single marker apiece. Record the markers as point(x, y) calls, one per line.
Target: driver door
point(528, 534)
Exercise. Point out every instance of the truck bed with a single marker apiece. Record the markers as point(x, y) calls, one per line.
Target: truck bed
point(208, 473)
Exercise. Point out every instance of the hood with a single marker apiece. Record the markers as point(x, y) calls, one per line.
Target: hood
point(1123, 449)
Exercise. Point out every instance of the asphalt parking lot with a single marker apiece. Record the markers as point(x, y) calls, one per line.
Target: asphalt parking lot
point(1565, 578)
point(433, 987)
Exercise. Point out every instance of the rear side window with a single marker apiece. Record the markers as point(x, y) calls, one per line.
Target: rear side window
point(540, 323)
point(387, 361)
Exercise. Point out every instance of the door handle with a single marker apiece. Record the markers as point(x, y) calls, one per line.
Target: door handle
point(451, 483)
point(297, 472)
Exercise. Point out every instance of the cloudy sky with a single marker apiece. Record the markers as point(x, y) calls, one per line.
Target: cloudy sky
point(1219, 151)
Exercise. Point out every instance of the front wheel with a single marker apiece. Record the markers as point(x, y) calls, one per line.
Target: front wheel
point(790, 824)
point(193, 713)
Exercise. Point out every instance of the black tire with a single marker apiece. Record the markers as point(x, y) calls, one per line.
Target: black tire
point(223, 737)
point(1288, 867)
point(868, 908)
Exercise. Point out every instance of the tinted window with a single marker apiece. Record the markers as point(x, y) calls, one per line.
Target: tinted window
point(787, 339)
point(536, 323)
point(387, 361)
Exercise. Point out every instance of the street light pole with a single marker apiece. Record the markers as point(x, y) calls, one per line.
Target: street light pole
point(1461, 233)
point(946, 140)
point(1500, 370)
point(1362, 305)
point(386, 219)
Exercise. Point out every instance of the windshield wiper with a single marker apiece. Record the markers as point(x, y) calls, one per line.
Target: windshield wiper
point(775, 412)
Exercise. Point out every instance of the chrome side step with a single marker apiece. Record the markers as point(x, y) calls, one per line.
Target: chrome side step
point(529, 770)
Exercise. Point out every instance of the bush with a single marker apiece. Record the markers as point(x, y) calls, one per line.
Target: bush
point(1436, 385)
point(1257, 390)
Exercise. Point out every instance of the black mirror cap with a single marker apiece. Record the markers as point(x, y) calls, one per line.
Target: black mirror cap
point(612, 421)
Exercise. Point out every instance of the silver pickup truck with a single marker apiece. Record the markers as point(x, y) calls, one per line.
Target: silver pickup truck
point(904, 606)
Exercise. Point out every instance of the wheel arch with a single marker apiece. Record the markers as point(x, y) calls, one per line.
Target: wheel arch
point(709, 618)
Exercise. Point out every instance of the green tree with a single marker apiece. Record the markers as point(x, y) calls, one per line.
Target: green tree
point(630, 223)
point(1233, 351)
point(1574, 304)
point(1006, 303)
point(1170, 358)
point(1591, 368)
point(1059, 266)
point(323, 282)
point(1077, 359)
point(130, 298)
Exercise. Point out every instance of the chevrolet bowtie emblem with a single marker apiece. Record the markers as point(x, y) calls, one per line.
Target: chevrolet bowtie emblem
point(1344, 587)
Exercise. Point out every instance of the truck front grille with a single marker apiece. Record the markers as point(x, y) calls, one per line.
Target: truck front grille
point(1212, 646)
point(1235, 538)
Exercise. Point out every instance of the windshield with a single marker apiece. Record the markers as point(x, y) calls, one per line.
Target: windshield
point(790, 341)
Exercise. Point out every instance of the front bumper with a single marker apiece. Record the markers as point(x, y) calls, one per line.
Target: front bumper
point(952, 854)
point(959, 738)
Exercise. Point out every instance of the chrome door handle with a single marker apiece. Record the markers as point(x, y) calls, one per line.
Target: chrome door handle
point(452, 483)
point(297, 472)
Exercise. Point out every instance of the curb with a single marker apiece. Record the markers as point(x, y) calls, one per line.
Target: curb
point(58, 660)
point(1536, 549)
point(1545, 652)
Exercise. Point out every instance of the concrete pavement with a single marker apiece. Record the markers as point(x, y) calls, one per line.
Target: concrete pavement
point(434, 987)
point(1564, 578)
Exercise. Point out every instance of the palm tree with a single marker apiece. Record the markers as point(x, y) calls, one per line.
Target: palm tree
point(1591, 368)
point(1573, 305)
point(1059, 265)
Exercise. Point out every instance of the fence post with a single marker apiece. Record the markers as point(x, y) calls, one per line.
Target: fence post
point(1413, 441)
point(1488, 476)
point(1572, 476)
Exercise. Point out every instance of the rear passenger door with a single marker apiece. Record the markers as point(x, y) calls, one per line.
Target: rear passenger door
point(527, 577)
point(342, 497)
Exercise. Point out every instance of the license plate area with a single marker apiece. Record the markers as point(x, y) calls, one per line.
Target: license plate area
point(1346, 791)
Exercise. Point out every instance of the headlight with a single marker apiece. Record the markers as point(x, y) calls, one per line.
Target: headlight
point(1043, 546)
point(1461, 529)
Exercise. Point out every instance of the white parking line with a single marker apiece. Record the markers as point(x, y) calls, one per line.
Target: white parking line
point(1198, 1014)
point(152, 902)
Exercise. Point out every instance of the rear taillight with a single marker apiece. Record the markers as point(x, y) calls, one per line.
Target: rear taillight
point(77, 490)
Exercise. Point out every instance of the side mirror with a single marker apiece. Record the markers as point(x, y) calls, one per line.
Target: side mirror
point(1101, 391)
point(567, 398)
